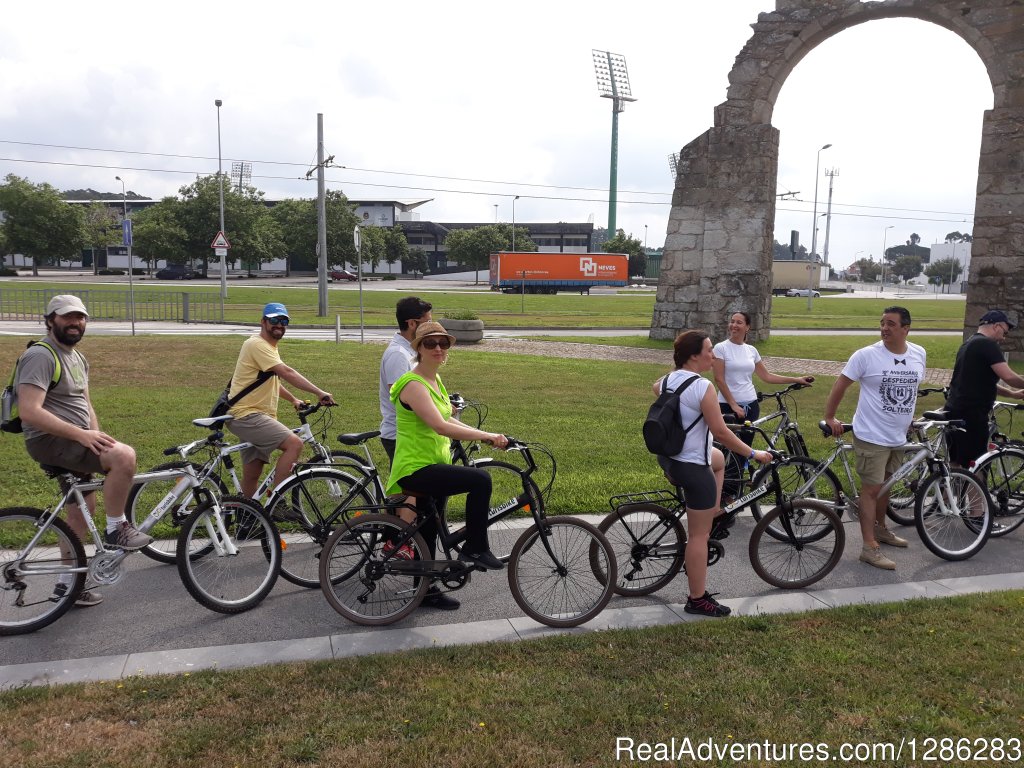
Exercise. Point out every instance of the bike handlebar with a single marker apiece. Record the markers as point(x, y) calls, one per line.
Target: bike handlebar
point(761, 396)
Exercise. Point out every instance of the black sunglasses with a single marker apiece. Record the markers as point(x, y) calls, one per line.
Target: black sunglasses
point(444, 343)
point(277, 320)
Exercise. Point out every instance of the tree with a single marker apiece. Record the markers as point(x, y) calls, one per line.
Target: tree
point(907, 267)
point(473, 247)
point(396, 246)
point(298, 222)
point(38, 223)
point(911, 248)
point(869, 269)
point(959, 237)
point(781, 252)
point(372, 245)
point(631, 246)
point(99, 222)
point(158, 235)
point(252, 240)
point(946, 270)
point(416, 261)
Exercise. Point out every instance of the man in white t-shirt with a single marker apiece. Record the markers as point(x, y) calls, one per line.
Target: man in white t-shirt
point(398, 359)
point(890, 372)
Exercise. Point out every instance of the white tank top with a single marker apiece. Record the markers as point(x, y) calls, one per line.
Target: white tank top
point(697, 447)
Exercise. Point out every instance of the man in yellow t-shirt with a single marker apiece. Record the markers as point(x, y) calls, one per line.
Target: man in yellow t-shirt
point(255, 415)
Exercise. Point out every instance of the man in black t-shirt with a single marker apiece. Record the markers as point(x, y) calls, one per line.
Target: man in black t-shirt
point(980, 372)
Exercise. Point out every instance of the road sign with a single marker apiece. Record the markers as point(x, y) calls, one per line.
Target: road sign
point(126, 229)
point(220, 251)
point(220, 242)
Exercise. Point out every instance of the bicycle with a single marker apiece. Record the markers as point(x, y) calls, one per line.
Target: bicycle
point(952, 510)
point(794, 545)
point(234, 563)
point(1001, 469)
point(292, 504)
point(549, 568)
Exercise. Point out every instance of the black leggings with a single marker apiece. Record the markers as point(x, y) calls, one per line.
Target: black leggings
point(442, 480)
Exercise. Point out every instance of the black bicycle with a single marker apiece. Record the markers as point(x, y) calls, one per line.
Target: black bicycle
point(795, 544)
point(366, 579)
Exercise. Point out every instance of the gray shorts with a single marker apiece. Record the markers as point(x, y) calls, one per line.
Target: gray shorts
point(265, 433)
point(696, 480)
point(66, 454)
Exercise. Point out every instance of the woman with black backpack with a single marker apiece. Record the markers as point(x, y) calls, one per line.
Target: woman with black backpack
point(699, 468)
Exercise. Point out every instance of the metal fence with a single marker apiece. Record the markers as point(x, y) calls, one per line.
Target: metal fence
point(107, 304)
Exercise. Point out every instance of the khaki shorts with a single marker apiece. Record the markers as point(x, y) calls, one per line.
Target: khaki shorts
point(67, 454)
point(876, 462)
point(265, 433)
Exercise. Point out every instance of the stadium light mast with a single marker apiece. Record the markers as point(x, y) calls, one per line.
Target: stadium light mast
point(613, 83)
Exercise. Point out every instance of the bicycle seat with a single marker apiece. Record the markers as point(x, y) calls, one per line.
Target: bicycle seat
point(355, 438)
point(937, 415)
point(414, 494)
point(212, 422)
point(53, 472)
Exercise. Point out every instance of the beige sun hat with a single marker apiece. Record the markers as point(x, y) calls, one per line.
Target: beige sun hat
point(429, 329)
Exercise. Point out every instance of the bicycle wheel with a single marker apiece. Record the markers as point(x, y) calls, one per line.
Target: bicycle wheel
point(143, 500)
point(1003, 475)
point(795, 561)
point(649, 544)
point(303, 509)
point(799, 477)
point(953, 515)
point(358, 579)
point(507, 492)
point(568, 591)
point(903, 494)
point(28, 599)
point(235, 573)
point(353, 463)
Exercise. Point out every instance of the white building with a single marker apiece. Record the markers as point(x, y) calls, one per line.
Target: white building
point(959, 251)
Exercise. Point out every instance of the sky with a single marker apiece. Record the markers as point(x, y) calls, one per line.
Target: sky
point(469, 105)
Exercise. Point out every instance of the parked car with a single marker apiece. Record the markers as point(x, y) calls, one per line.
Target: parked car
point(177, 272)
point(340, 274)
point(803, 292)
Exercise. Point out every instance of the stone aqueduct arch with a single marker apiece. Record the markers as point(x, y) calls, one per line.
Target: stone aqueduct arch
point(718, 248)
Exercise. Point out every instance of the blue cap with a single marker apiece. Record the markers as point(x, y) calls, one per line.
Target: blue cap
point(996, 316)
point(275, 309)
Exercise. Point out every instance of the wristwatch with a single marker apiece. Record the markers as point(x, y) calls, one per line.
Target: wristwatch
point(753, 453)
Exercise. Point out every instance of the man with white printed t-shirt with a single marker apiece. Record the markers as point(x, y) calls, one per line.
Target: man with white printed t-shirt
point(890, 372)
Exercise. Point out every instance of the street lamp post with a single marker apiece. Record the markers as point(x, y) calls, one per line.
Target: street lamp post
point(613, 83)
point(220, 179)
point(514, 223)
point(885, 236)
point(814, 228)
point(495, 213)
point(127, 239)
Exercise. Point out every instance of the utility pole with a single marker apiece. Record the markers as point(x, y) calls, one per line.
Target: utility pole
point(321, 219)
point(828, 218)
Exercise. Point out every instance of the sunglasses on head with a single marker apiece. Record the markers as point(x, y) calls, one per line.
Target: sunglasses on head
point(443, 342)
point(277, 320)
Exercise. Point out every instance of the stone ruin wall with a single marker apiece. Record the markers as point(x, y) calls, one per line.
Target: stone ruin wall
point(718, 247)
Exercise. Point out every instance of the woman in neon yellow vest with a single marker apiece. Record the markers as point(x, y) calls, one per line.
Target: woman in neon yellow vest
point(423, 450)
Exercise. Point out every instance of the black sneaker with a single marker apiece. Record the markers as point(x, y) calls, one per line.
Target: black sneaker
point(435, 598)
point(485, 560)
point(706, 605)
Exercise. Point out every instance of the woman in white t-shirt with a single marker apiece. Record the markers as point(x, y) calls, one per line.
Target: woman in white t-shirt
point(735, 364)
point(699, 467)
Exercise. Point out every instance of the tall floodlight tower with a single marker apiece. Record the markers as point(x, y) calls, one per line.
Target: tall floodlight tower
point(613, 83)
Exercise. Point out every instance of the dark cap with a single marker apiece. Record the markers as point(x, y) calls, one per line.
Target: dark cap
point(996, 316)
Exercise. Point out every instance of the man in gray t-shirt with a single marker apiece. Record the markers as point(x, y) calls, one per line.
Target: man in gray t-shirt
point(61, 428)
point(398, 359)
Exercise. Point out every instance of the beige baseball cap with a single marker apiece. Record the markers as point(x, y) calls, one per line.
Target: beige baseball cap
point(64, 304)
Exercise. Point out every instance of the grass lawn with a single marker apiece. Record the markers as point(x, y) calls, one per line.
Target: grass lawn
point(566, 310)
point(865, 676)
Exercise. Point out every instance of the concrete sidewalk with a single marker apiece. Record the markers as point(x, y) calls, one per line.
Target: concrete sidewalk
point(341, 646)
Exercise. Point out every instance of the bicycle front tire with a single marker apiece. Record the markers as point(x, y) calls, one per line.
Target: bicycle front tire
point(649, 544)
point(1003, 475)
point(145, 496)
point(792, 561)
point(303, 511)
point(354, 576)
point(568, 592)
point(28, 601)
point(223, 582)
point(953, 518)
point(795, 472)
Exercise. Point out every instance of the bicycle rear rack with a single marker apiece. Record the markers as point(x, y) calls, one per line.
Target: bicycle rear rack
point(662, 497)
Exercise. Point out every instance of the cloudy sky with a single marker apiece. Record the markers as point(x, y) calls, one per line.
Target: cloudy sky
point(470, 104)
